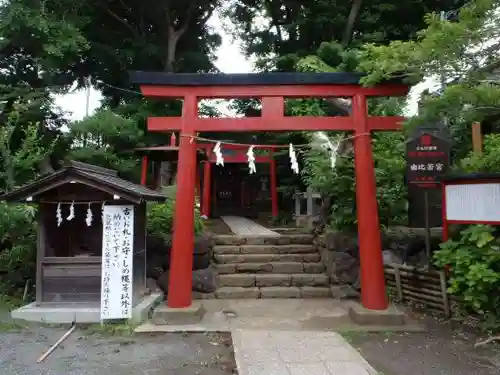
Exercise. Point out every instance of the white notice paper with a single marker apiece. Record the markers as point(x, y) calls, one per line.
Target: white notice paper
point(117, 256)
point(473, 202)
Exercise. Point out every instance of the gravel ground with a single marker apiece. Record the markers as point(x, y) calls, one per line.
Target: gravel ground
point(446, 349)
point(94, 352)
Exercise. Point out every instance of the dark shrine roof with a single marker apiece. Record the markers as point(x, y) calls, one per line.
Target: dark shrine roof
point(459, 177)
point(98, 178)
point(246, 79)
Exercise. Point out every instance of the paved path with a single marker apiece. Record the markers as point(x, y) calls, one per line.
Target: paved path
point(242, 226)
point(296, 353)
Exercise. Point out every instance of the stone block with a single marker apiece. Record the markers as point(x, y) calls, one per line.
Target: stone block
point(314, 292)
point(261, 240)
point(282, 240)
point(237, 292)
point(226, 249)
point(296, 249)
point(287, 267)
point(314, 267)
point(279, 292)
point(273, 279)
point(164, 315)
point(237, 280)
point(310, 279)
point(254, 267)
point(228, 240)
point(301, 239)
point(226, 268)
point(259, 249)
point(363, 316)
point(229, 258)
point(311, 258)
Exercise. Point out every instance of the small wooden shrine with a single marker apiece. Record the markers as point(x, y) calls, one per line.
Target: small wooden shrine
point(79, 260)
point(222, 190)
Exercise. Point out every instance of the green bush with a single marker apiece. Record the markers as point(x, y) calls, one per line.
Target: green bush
point(161, 216)
point(340, 185)
point(17, 247)
point(474, 264)
point(487, 161)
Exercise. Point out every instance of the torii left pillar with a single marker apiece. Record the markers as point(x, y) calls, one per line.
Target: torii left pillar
point(181, 259)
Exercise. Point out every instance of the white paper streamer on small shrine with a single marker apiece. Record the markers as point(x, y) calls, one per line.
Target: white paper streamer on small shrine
point(88, 218)
point(219, 159)
point(251, 160)
point(59, 215)
point(71, 215)
point(293, 160)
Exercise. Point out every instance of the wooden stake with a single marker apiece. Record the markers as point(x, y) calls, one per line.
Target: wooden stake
point(53, 347)
point(399, 287)
point(477, 138)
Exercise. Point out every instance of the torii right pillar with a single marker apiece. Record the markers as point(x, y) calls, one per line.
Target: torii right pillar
point(372, 276)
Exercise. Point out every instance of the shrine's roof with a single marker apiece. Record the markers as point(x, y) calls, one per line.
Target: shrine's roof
point(247, 79)
point(98, 178)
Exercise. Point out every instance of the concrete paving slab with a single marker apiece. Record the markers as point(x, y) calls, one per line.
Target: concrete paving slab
point(241, 226)
point(80, 313)
point(261, 314)
point(285, 355)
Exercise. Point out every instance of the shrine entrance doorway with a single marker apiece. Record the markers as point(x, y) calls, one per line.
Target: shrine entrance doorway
point(273, 89)
point(238, 193)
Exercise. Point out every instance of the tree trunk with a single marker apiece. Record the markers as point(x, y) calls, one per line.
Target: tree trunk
point(356, 6)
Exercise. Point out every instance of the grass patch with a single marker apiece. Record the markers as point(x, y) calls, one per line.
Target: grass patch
point(12, 326)
point(350, 336)
point(110, 329)
point(8, 303)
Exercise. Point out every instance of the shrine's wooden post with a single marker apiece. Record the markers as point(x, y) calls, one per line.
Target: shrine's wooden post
point(274, 185)
point(272, 88)
point(144, 170)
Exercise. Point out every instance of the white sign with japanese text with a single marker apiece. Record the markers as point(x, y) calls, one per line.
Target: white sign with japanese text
point(117, 257)
point(473, 202)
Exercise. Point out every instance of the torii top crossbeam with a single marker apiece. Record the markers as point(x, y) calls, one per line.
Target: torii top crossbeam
point(273, 88)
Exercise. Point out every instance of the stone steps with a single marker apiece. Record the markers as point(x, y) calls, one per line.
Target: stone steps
point(287, 266)
point(273, 279)
point(270, 267)
point(299, 239)
point(238, 292)
point(265, 258)
point(264, 249)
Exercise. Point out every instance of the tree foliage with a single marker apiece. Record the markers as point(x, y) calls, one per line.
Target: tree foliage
point(280, 32)
point(107, 139)
point(464, 54)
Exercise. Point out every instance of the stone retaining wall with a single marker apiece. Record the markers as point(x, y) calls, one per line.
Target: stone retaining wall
point(340, 254)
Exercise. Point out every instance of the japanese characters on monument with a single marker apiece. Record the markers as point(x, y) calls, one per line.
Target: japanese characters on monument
point(427, 160)
point(117, 256)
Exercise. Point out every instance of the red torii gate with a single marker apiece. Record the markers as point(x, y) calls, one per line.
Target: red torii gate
point(273, 88)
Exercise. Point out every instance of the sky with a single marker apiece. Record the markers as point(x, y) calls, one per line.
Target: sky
point(230, 59)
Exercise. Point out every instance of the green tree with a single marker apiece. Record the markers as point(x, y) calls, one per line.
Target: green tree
point(464, 53)
point(107, 139)
point(280, 32)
